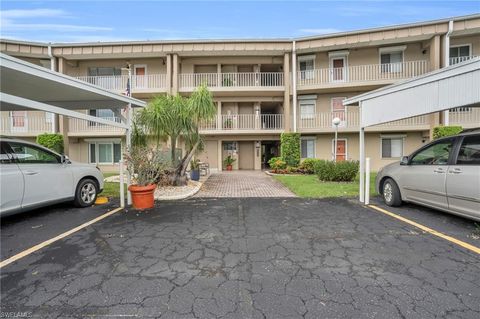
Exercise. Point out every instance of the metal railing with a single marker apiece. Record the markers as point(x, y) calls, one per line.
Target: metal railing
point(351, 120)
point(231, 80)
point(462, 59)
point(83, 126)
point(244, 122)
point(119, 82)
point(29, 125)
point(362, 73)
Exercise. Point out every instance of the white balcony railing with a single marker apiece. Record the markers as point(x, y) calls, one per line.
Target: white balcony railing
point(466, 117)
point(119, 82)
point(29, 125)
point(232, 80)
point(461, 59)
point(351, 120)
point(362, 73)
point(92, 128)
point(244, 122)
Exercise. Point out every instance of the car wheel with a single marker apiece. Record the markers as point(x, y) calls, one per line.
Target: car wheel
point(391, 193)
point(86, 193)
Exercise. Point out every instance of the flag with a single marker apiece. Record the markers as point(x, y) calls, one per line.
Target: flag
point(127, 91)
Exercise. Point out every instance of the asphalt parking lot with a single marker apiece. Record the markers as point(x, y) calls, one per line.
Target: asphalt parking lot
point(242, 258)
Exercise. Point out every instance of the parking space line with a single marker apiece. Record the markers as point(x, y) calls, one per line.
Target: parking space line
point(428, 230)
point(56, 238)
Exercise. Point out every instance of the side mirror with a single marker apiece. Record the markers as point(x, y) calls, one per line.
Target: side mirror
point(404, 160)
point(64, 159)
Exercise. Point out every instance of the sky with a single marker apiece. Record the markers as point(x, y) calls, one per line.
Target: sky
point(92, 21)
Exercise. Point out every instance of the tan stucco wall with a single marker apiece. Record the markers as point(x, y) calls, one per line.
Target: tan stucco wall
point(474, 41)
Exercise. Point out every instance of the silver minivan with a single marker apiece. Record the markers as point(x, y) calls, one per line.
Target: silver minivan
point(33, 176)
point(444, 174)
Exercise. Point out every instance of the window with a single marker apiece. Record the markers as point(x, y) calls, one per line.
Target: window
point(469, 153)
point(105, 152)
point(102, 113)
point(391, 59)
point(230, 146)
point(307, 109)
point(459, 53)
point(436, 154)
point(307, 147)
point(28, 154)
point(5, 158)
point(306, 65)
point(392, 147)
point(104, 71)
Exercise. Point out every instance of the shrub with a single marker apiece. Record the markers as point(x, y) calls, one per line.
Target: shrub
point(308, 165)
point(343, 171)
point(277, 164)
point(442, 131)
point(290, 148)
point(53, 141)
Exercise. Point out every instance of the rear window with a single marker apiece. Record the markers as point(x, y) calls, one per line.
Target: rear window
point(469, 153)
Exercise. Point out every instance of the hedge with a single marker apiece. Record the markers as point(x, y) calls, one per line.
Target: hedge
point(277, 163)
point(342, 171)
point(308, 165)
point(442, 131)
point(53, 141)
point(290, 148)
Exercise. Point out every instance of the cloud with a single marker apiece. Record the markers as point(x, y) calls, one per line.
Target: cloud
point(320, 31)
point(9, 26)
point(32, 13)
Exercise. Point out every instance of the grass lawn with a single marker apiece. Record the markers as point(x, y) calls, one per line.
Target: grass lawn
point(309, 186)
point(112, 190)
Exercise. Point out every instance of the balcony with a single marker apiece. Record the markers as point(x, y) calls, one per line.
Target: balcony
point(140, 83)
point(247, 81)
point(350, 121)
point(244, 123)
point(25, 126)
point(462, 59)
point(77, 127)
point(466, 117)
point(360, 75)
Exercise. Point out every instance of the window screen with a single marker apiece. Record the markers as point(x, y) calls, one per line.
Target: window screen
point(392, 147)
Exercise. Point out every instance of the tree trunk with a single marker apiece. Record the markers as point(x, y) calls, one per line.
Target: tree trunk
point(173, 146)
point(180, 172)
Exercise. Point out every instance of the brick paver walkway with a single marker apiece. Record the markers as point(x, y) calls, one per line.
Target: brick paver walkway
point(243, 184)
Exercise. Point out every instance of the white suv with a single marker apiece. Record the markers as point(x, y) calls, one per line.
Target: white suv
point(33, 176)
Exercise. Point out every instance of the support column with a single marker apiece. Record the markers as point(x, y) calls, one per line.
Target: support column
point(219, 116)
point(435, 64)
point(257, 109)
point(286, 93)
point(61, 122)
point(294, 85)
point(168, 61)
point(220, 159)
point(175, 74)
point(362, 165)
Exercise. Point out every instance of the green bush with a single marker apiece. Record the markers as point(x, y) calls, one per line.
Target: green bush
point(53, 141)
point(342, 171)
point(442, 131)
point(290, 148)
point(308, 165)
point(277, 163)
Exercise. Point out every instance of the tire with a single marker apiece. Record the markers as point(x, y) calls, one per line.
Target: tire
point(86, 193)
point(391, 193)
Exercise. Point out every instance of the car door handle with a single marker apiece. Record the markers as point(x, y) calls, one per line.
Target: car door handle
point(455, 171)
point(439, 170)
point(31, 172)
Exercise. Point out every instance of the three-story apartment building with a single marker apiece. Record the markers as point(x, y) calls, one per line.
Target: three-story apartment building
point(261, 88)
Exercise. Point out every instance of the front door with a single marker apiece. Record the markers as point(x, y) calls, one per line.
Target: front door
point(338, 65)
point(341, 150)
point(463, 179)
point(140, 76)
point(246, 155)
point(424, 179)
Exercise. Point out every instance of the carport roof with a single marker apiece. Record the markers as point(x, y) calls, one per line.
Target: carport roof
point(27, 81)
point(447, 88)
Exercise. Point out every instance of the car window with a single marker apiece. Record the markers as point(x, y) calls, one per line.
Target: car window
point(27, 154)
point(5, 158)
point(436, 154)
point(469, 153)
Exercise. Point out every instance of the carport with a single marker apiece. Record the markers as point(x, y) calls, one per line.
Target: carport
point(25, 86)
point(441, 90)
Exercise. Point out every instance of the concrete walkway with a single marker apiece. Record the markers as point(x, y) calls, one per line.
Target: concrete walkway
point(243, 184)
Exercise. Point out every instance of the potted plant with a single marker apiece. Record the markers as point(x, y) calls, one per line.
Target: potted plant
point(228, 124)
point(145, 165)
point(195, 170)
point(228, 161)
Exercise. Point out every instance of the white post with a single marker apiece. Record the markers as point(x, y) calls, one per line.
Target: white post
point(367, 181)
point(446, 113)
point(335, 147)
point(122, 185)
point(294, 86)
point(362, 164)
point(128, 131)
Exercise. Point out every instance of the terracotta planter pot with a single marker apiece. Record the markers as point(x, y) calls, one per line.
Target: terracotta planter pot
point(142, 196)
point(229, 167)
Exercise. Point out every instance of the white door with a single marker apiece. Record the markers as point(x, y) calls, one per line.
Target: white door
point(463, 179)
point(46, 178)
point(11, 182)
point(424, 179)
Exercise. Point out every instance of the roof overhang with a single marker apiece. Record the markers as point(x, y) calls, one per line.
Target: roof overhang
point(451, 87)
point(31, 82)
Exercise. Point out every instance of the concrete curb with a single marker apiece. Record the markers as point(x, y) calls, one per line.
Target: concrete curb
point(274, 174)
point(181, 196)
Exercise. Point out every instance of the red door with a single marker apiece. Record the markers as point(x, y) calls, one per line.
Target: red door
point(140, 80)
point(341, 150)
point(338, 69)
point(338, 109)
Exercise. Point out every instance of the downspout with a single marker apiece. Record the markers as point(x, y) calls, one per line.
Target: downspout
point(446, 114)
point(52, 68)
point(294, 86)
